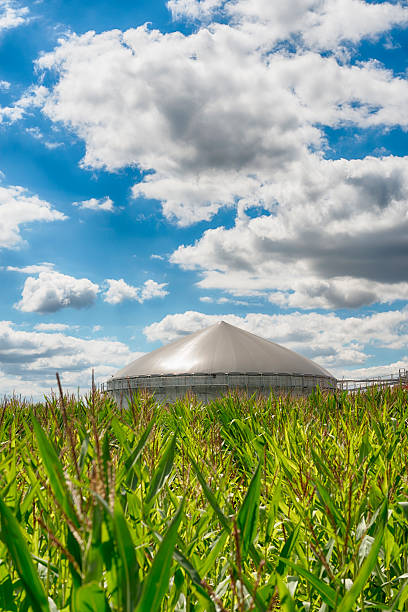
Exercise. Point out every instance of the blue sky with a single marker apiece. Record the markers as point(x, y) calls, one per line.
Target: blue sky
point(168, 164)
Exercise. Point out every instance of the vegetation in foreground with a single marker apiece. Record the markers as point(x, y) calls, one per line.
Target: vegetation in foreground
point(243, 504)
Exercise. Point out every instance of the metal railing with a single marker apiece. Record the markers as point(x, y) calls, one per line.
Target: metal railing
point(389, 380)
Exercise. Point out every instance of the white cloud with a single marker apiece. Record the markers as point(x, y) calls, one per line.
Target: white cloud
point(194, 9)
point(119, 290)
point(4, 85)
point(321, 24)
point(336, 239)
point(374, 371)
point(34, 97)
point(12, 15)
point(51, 291)
point(151, 289)
point(230, 115)
point(105, 204)
point(331, 340)
point(29, 360)
point(33, 269)
point(222, 300)
point(18, 208)
point(225, 121)
point(51, 327)
point(36, 133)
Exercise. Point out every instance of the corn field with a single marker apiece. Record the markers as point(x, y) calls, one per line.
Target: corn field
point(242, 504)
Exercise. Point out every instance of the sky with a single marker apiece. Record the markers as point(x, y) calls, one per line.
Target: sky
point(166, 165)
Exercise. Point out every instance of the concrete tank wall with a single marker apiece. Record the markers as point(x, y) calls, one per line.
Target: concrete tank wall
point(210, 386)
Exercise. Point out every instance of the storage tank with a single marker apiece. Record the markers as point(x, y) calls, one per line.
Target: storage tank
point(216, 360)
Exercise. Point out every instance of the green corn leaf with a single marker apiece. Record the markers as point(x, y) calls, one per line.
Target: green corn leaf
point(118, 430)
point(225, 522)
point(83, 453)
point(7, 601)
point(402, 594)
point(187, 565)
point(349, 599)
point(248, 515)
point(287, 549)
point(260, 604)
point(326, 592)
point(55, 473)
point(157, 580)
point(90, 598)
point(128, 581)
point(193, 573)
point(327, 501)
point(212, 556)
point(286, 602)
point(93, 565)
point(136, 453)
point(162, 471)
point(13, 538)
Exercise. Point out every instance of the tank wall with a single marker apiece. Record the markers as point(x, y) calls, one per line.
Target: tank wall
point(210, 386)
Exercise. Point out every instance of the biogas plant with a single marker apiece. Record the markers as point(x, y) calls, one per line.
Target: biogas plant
point(217, 360)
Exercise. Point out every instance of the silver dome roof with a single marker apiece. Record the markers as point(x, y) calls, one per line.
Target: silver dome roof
point(221, 348)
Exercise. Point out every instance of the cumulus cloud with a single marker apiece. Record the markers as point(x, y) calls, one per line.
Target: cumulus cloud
point(194, 9)
point(119, 290)
point(322, 24)
point(105, 204)
point(235, 115)
point(336, 239)
point(18, 208)
point(229, 117)
point(29, 360)
point(51, 291)
point(331, 340)
point(12, 14)
point(151, 289)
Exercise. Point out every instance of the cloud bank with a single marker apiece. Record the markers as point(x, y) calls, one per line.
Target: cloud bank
point(336, 343)
point(236, 115)
point(30, 359)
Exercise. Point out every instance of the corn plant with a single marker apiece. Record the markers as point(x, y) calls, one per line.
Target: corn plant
point(246, 503)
